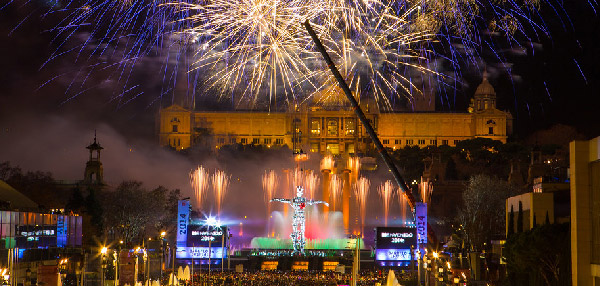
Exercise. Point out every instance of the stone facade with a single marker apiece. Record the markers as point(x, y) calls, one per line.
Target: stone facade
point(321, 129)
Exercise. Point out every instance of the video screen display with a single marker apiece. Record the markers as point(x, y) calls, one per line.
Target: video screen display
point(394, 243)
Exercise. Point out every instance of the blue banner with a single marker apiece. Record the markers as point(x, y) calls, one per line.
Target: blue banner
point(183, 218)
point(200, 252)
point(61, 231)
point(392, 254)
point(421, 220)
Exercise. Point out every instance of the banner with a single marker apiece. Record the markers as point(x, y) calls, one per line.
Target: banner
point(392, 254)
point(421, 212)
point(183, 218)
point(200, 252)
point(61, 231)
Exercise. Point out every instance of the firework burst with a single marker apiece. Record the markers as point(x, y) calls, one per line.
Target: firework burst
point(311, 182)
point(199, 179)
point(361, 191)
point(335, 189)
point(385, 192)
point(220, 183)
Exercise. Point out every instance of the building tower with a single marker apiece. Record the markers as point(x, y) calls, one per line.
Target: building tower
point(485, 96)
point(94, 174)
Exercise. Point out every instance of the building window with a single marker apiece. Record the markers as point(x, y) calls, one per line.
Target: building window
point(221, 140)
point(421, 141)
point(386, 141)
point(279, 141)
point(332, 127)
point(433, 142)
point(314, 147)
point(178, 142)
point(244, 141)
point(232, 141)
point(333, 148)
point(175, 128)
point(444, 142)
point(350, 148)
point(349, 126)
point(175, 119)
point(255, 141)
point(267, 141)
point(409, 142)
point(491, 130)
point(397, 142)
point(315, 126)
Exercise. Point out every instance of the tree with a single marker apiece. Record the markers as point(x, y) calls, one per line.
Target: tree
point(547, 218)
point(451, 172)
point(534, 221)
point(94, 210)
point(520, 218)
point(511, 223)
point(540, 252)
point(131, 211)
point(483, 213)
point(76, 201)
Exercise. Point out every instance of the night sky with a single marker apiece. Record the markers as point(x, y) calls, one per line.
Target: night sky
point(46, 122)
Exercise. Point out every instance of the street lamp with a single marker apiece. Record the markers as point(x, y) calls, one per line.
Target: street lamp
point(103, 252)
point(163, 234)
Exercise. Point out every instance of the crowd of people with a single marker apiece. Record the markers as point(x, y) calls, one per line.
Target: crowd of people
point(287, 278)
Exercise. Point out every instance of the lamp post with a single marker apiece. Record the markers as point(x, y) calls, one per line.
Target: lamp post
point(103, 252)
point(436, 273)
point(163, 234)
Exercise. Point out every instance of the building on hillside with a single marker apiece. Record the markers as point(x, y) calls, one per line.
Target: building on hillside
point(32, 242)
point(334, 129)
point(585, 211)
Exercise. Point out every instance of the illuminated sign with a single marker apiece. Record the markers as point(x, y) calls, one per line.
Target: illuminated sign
point(202, 235)
point(61, 231)
point(394, 243)
point(421, 212)
point(396, 237)
point(201, 252)
point(183, 217)
point(392, 254)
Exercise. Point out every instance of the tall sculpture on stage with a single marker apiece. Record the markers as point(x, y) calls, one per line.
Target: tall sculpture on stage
point(298, 203)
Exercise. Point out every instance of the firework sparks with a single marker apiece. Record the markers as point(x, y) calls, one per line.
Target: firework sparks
point(199, 181)
point(425, 189)
point(385, 192)
point(403, 202)
point(251, 46)
point(361, 191)
point(353, 165)
point(327, 163)
point(220, 182)
point(335, 189)
point(311, 182)
point(297, 178)
point(270, 181)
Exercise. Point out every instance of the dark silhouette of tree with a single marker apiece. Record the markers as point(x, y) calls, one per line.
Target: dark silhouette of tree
point(95, 211)
point(511, 223)
point(451, 172)
point(76, 201)
point(547, 218)
point(534, 221)
point(520, 218)
point(542, 252)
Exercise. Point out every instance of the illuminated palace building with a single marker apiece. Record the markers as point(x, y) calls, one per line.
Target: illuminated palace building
point(328, 126)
